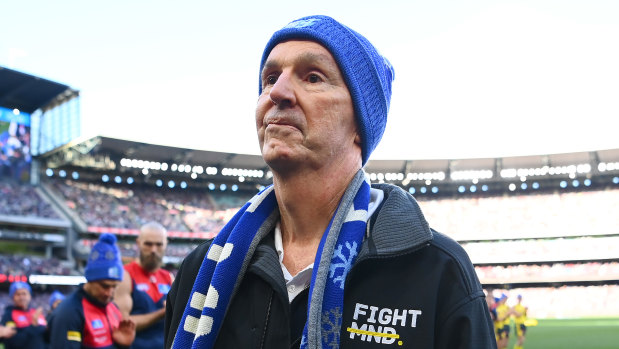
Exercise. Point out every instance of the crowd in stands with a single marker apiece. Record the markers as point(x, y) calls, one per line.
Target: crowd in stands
point(543, 250)
point(558, 272)
point(21, 199)
point(27, 265)
point(128, 248)
point(129, 208)
point(568, 301)
point(525, 216)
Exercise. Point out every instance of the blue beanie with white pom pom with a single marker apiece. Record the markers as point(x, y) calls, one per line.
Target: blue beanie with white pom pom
point(367, 73)
point(104, 260)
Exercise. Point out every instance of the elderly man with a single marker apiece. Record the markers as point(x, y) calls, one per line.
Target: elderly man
point(88, 318)
point(321, 259)
point(144, 288)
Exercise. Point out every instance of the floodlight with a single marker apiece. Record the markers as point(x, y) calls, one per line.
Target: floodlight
point(159, 183)
point(105, 178)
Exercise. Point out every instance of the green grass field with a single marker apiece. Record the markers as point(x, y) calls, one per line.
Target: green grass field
point(594, 333)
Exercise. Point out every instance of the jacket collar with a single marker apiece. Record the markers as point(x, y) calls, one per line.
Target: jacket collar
point(398, 225)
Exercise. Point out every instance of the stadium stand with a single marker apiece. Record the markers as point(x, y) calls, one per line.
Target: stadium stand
point(30, 203)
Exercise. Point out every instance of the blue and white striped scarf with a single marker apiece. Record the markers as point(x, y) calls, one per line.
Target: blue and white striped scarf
point(230, 253)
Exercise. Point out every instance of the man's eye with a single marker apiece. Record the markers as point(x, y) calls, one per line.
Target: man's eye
point(313, 78)
point(271, 80)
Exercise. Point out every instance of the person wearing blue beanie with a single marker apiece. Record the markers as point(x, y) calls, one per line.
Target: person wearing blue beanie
point(88, 317)
point(28, 323)
point(322, 258)
point(54, 299)
point(19, 285)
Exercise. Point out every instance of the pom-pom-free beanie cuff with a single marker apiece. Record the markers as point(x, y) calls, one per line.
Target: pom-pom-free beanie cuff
point(368, 75)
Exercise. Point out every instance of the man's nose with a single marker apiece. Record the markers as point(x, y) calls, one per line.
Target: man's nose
point(283, 91)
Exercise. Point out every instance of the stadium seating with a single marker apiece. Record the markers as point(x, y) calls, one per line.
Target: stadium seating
point(21, 199)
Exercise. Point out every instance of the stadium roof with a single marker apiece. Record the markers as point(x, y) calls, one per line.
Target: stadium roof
point(27, 92)
point(119, 148)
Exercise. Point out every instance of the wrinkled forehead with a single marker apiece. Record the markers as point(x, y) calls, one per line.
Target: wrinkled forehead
point(300, 51)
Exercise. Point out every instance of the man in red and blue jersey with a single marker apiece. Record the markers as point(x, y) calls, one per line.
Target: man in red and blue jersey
point(142, 293)
point(88, 318)
point(29, 323)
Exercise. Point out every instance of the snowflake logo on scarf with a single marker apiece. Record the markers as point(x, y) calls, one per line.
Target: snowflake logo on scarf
point(331, 324)
point(342, 262)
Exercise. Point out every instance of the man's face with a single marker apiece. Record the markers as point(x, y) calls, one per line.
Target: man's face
point(102, 290)
point(151, 244)
point(21, 298)
point(305, 115)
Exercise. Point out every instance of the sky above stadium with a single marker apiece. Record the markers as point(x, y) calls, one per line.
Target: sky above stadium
point(472, 78)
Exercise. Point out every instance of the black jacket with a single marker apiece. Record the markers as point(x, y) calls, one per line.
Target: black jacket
point(410, 286)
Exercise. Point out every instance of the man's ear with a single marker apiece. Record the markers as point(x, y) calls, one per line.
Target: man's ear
point(358, 139)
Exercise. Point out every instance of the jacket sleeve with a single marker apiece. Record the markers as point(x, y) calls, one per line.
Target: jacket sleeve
point(464, 321)
point(66, 325)
point(180, 291)
point(468, 327)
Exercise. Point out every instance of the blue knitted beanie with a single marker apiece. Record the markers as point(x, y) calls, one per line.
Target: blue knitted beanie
point(55, 296)
point(18, 285)
point(367, 74)
point(104, 260)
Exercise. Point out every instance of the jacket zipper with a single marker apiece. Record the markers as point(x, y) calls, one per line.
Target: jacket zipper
point(266, 320)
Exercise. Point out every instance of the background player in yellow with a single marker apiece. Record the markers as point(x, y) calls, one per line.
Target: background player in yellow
point(502, 322)
point(520, 316)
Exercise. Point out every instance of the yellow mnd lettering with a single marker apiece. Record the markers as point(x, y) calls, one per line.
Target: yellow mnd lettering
point(370, 333)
